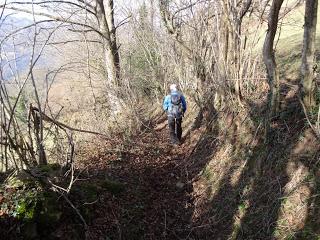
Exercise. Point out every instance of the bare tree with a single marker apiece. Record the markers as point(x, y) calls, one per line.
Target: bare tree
point(308, 53)
point(84, 17)
point(104, 11)
point(234, 12)
point(269, 59)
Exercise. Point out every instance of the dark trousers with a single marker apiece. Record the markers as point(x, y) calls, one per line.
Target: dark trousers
point(175, 129)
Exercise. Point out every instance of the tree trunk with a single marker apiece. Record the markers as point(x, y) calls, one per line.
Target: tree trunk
point(152, 14)
point(269, 59)
point(38, 128)
point(233, 15)
point(104, 13)
point(108, 30)
point(308, 53)
point(237, 60)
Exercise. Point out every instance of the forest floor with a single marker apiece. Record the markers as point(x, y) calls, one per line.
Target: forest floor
point(156, 201)
point(210, 187)
point(144, 191)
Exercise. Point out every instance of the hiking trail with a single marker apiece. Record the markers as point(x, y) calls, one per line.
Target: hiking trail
point(157, 201)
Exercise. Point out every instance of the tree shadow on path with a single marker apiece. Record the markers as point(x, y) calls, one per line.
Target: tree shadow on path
point(157, 200)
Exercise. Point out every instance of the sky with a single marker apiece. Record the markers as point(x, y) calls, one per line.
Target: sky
point(19, 14)
point(122, 6)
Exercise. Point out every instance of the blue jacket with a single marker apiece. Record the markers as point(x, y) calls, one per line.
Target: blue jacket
point(167, 102)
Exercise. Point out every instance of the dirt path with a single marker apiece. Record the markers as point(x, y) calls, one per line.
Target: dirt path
point(157, 201)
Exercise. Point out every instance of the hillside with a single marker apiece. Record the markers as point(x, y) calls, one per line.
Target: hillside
point(85, 148)
point(290, 44)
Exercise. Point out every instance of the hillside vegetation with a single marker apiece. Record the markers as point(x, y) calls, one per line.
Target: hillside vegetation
point(85, 145)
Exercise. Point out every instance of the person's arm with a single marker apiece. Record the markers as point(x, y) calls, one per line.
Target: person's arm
point(184, 103)
point(166, 104)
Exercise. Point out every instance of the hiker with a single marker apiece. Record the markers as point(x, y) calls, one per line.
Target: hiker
point(175, 107)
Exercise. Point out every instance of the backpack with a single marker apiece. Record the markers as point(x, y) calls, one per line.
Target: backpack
point(176, 105)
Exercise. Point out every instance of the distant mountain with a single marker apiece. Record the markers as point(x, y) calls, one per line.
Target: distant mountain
point(15, 50)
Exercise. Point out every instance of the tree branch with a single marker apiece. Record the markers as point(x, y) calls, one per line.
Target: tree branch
point(245, 9)
point(62, 125)
point(3, 8)
point(56, 18)
point(55, 1)
point(74, 41)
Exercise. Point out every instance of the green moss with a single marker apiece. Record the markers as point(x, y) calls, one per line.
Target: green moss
point(24, 204)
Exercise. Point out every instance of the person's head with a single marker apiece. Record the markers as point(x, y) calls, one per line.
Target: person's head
point(173, 87)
